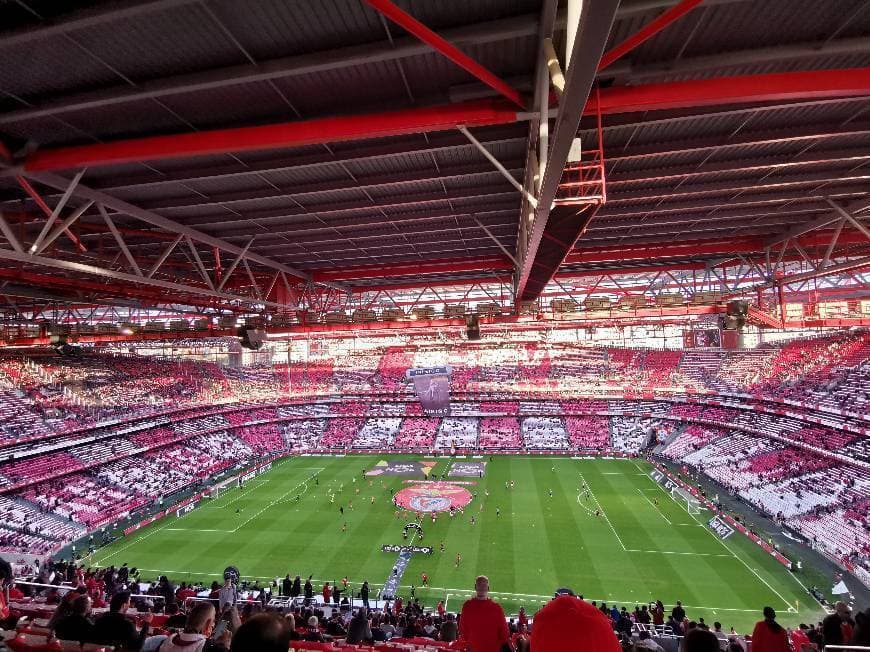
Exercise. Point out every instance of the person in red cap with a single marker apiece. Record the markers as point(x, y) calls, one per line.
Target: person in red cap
point(569, 623)
point(482, 624)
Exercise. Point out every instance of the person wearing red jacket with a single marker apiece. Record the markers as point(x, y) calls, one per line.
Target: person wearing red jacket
point(769, 635)
point(327, 593)
point(482, 624)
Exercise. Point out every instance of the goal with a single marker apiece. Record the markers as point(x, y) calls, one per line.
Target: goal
point(684, 497)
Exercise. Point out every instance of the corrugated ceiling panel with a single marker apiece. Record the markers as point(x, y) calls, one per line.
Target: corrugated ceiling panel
point(47, 66)
point(407, 190)
point(276, 28)
point(385, 165)
point(231, 106)
point(169, 42)
point(245, 183)
point(45, 131)
point(330, 197)
point(347, 90)
point(134, 119)
point(307, 175)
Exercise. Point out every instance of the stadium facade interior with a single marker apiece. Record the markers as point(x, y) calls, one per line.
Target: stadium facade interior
point(569, 294)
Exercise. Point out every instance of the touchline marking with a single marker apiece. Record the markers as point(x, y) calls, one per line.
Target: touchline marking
point(450, 591)
point(789, 608)
point(653, 505)
point(142, 538)
point(674, 552)
point(603, 513)
point(279, 499)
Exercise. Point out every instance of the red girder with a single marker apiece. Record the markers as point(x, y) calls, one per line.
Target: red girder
point(647, 31)
point(775, 87)
point(413, 26)
point(616, 99)
point(102, 289)
point(287, 134)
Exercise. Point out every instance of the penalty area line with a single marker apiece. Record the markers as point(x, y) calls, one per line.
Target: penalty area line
point(603, 513)
point(789, 607)
point(655, 507)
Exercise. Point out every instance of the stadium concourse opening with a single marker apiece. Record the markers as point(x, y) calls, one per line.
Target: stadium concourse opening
point(481, 325)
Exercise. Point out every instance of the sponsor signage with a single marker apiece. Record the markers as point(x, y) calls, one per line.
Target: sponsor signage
point(664, 480)
point(184, 509)
point(423, 550)
point(722, 529)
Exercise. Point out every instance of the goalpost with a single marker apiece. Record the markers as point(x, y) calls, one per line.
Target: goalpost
point(682, 496)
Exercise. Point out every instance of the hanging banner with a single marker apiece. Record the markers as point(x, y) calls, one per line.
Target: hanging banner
point(432, 385)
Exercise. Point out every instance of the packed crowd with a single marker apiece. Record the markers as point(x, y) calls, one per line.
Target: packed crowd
point(45, 392)
point(821, 498)
point(114, 606)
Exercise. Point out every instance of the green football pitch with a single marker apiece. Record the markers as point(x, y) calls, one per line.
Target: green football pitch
point(642, 546)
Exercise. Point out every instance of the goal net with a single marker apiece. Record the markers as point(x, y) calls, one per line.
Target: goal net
point(684, 497)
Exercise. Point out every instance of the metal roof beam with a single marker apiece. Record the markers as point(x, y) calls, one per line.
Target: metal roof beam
point(647, 32)
point(596, 20)
point(413, 26)
point(849, 217)
point(812, 158)
point(827, 220)
point(617, 99)
point(305, 64)
point(496, 209)
point(799, 136)
point(91, 270)
point(84, 18)
point(733, 59)
point(437, 142)
point(773, 87)
point(743, 189)
point(276, 216)
point(793, 198)
point(122, 206)
point(275, 136)
point(414, 176)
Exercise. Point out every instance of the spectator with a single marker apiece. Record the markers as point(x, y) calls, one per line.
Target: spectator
point(700, 640)
point(768, 635)
point(832, 630)
point(718, 633)
point(228, 594)
point(313, 633)
point(862, 628)
point(645, 642)
point(482, 623)
point(176, 620)
point(262, 633)
point(845, 614)
point(198, 627)
point(568, 623)
point(291, 623)
point(113, 627)
point(359, 630)
point(800, 641)
point(78, 625)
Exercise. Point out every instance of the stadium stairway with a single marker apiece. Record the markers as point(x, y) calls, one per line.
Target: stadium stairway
point(391, 585)
point(670, 438)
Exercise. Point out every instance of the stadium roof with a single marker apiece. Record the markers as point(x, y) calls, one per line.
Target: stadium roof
point(220, 151)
